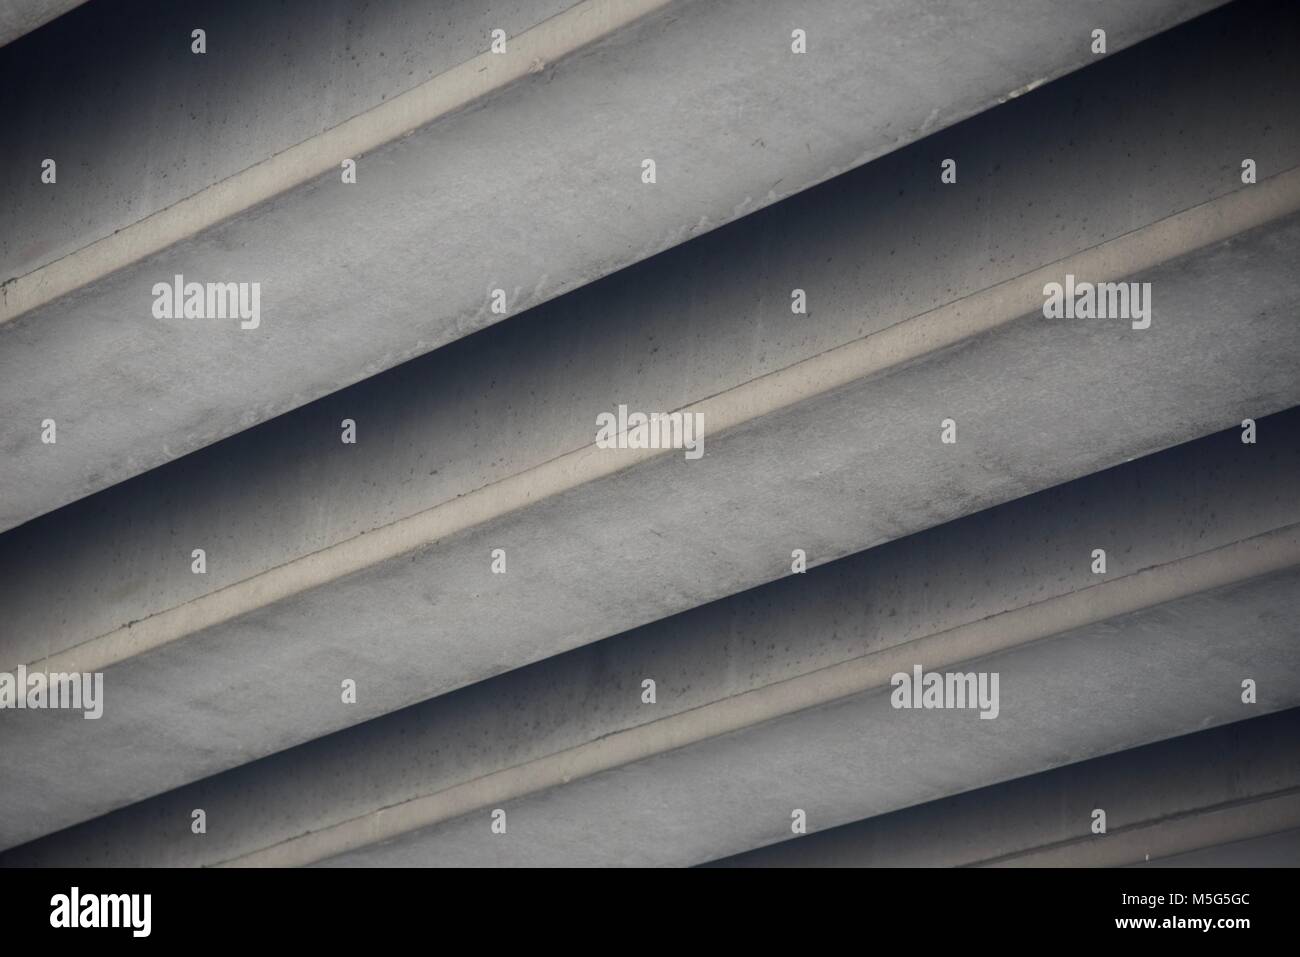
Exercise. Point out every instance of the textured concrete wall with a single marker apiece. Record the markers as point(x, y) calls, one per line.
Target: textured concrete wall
point(358, 278)
point(322, 564)
point(18, 17)
point(1165, 802)
point(134, 135)
point(622, 648)
point(1135, 655)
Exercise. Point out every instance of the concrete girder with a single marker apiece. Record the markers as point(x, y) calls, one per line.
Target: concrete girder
point(235, 178)
point(823, 430)
point(779, 697)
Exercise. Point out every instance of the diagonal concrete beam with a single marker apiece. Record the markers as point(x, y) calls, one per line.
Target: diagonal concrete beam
point(325, 564)
point(782, 694)
point(774, 765)
point(19, 17)
point(1281, 849)
point(1236, 785)
point(356, 278)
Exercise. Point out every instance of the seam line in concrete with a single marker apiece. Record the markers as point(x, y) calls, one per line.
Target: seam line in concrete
point(1238, 819)
point(975, 314)
point(963, 644)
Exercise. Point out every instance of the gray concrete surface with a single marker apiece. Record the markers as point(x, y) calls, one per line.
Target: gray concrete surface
point(1271, 850)
point(778, 689)
point(518, 397)
point(322, 566)
point(435, 618)
point(275, 76)
point(1117, 685)
point(18, 17)
point(1229, 795)
point(356, 279)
